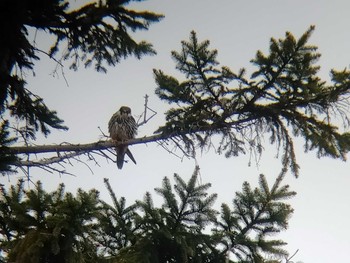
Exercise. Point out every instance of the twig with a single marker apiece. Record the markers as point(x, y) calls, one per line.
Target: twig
point(76, 159)
point(48, 161)
point(103, 134)
point(145, 120)
point(164, 146)
point(181, 148)
point(51, 57)
point(288, 259)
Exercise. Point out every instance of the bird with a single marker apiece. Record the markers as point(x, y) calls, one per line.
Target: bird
point(122, 127)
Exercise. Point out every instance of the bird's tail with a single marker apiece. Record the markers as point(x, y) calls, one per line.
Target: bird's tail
point(121, 151)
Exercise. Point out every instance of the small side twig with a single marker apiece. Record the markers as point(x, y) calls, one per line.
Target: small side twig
point(144, 114)
point(288, 259)
point(163, 144)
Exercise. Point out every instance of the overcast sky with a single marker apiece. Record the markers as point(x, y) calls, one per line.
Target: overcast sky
point(237, 29)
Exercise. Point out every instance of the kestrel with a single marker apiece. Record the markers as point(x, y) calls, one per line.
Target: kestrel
point(122, 127)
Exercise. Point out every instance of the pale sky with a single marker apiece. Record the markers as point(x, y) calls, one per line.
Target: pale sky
point(237, 29)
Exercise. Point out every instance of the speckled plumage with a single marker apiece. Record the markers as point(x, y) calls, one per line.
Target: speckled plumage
point(122, 127)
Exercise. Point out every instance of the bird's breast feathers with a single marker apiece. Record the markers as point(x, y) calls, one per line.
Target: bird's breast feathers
point(122, 128)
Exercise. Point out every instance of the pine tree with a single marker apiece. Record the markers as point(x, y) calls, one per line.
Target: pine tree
point(173, 232)
point(117, 224)
point(40, 227)
point(283, 98)
point(257, 214)
point(179, 231)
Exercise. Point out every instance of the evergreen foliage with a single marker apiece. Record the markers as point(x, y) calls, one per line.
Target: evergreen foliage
point(6, 160)
point(283, 97)
point(37, 226)
point(257, 214)
point(118, 224)
point(48, 227)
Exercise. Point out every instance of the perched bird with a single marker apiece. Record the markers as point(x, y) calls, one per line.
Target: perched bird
point(122, 127)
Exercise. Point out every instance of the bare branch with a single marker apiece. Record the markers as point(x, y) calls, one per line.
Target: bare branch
point(164, 145)
point(288, 259)
point(65, 153)
point(50, 56)
point(81, 148)
point(48, 161)
point(144, 114)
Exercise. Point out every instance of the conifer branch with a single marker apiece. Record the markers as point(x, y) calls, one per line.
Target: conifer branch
point(65, 152)
point(283, 99)
point(79, 148)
